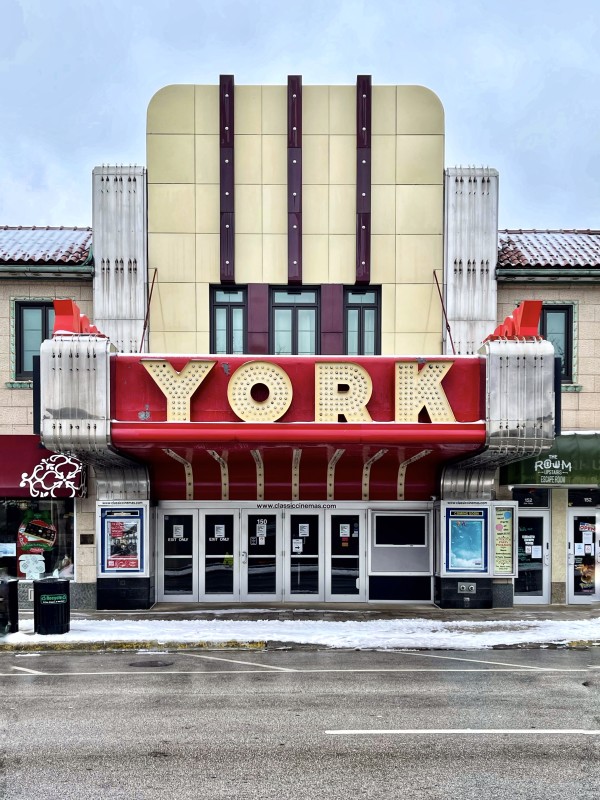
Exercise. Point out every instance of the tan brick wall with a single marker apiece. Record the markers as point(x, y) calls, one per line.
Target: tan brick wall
point(16, 414)
point(581, 402)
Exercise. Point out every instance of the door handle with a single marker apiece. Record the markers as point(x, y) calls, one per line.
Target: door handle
point(547, 559)
point(571, 559)
point(244, 557)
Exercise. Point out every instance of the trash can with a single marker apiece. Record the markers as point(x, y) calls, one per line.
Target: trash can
point(51, 606)
point(9, 605)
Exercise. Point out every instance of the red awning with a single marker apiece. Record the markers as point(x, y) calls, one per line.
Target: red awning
point(27, 469)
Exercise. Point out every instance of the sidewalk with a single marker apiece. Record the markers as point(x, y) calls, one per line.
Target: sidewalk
point(361, 626)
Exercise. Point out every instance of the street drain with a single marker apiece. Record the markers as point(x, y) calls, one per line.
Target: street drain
point(151, 663)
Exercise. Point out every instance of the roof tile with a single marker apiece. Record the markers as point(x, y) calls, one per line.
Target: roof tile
point(549, 249)
point(47, 245)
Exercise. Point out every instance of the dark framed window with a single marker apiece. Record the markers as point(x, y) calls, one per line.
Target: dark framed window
point(228, 321)
point(557, 327)
point(294, 322)
point(34, 322)
point(361, 319)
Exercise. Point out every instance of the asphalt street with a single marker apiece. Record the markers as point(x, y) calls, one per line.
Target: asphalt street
point(301, 724)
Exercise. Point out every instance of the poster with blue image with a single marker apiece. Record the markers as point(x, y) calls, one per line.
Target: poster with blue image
point(466, 540)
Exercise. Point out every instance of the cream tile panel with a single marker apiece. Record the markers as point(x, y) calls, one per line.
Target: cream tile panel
point(275, 267)
point(315, 209)
point(420, 159)
point(383, 159)
point(342, 109)
point(417, 257)
point(274, 109)
point(342, 159)
point(315, 259)
point(274, 159)
point(173, 307)
point(170, 158)
point(173, 342)
point(173, 255)
point(248, 109)
point(342, 259)
point(208, 267)
point(315, 159)
point(248, 208)
point(383, 111)
point(171, 110)
point(419, 209)
point(202, 307)
point(202, 343)
point(383, 258)
point(418, 344)
point(208, 203)
point(418, 308)
point(248, 258)
point(418, 110)
point(207, 159)
point(388, 344)
point(207, 109)
point(388, 308)
point(342, 209)
point(315, 110)
point(383, 209)
point(171, 208)
point(248, 159)
point(274, 202)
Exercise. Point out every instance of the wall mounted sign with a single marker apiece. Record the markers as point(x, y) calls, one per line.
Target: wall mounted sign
point(122, 540)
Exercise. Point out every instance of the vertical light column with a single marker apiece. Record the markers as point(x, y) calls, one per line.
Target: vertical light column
point(363, 179)
point(226, 131)
point(294, 105)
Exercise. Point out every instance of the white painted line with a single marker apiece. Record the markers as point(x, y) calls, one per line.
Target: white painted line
point(470, 731)
point(478, 661)
point(245, 663)
point(279, 671)
point(30, 671)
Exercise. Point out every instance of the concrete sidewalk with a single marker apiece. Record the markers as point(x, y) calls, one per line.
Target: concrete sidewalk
point(358, 626)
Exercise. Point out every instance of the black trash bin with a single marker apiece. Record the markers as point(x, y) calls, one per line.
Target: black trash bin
point(51, 606)
point(9, 605)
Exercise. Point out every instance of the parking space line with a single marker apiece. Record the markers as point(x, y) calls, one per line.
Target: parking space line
point(479, 661)
point(282, 671)
point(30, 671)
point(236, 661)
point(467, 731)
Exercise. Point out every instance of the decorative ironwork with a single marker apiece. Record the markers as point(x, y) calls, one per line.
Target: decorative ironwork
point(59, 472)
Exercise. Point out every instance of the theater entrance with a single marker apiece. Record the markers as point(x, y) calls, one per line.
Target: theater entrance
point(251, 554)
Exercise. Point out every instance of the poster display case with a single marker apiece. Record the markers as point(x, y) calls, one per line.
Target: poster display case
point(123, 539)
point(477, 539)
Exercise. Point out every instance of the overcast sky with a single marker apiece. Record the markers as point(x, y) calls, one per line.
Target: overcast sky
point(519, 81)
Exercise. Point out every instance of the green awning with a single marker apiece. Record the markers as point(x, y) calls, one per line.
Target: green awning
point(573, 460)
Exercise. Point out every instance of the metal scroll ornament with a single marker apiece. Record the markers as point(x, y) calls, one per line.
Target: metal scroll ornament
point(57, 473)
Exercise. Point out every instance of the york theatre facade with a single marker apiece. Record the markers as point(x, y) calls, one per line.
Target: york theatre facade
point(269, 399)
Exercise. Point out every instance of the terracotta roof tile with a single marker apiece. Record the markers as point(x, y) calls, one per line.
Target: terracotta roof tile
point(19, 245)
point(548, 249)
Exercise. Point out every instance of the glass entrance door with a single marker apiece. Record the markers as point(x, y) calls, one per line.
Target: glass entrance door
point(532, 584)
point(345, 572)
point(260, 557)
point(583, 570)
point(304, 570)
point(219, 556)
point(177, 578)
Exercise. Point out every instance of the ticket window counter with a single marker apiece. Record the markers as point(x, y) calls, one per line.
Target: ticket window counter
point(246, 555)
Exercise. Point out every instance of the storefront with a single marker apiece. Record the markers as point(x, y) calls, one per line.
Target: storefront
point(296, 479)
point(37, 510)
point(559, 524)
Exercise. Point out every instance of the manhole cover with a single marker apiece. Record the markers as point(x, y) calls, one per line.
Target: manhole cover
point(151, 663)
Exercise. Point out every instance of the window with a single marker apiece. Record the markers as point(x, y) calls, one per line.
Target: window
point(362, 322)
point(294, 322)
point(33, 323)
point(557, 327)
point(228, 329)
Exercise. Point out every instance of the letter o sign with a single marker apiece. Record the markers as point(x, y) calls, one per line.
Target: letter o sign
point(259, 392)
